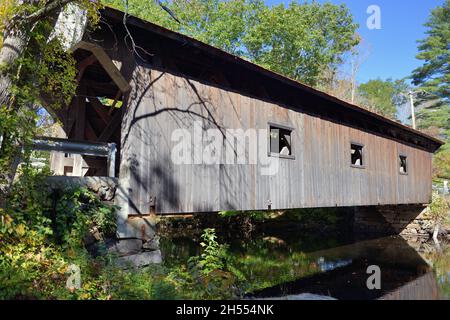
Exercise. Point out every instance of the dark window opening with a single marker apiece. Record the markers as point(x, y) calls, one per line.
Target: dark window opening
point(403, 164)
point(280, 141)
point(357, 155)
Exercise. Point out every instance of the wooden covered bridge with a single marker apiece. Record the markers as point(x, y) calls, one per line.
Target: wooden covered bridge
point(326, 152)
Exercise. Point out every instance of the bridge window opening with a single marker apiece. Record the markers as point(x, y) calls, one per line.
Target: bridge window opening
point(280, 141)
point(357, 155)
point(403, 164)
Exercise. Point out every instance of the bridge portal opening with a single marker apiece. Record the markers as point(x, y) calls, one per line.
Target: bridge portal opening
point(94, 115)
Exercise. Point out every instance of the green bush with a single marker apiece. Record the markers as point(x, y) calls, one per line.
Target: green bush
point(42, 234)
point(209, 275)
point(439, 208)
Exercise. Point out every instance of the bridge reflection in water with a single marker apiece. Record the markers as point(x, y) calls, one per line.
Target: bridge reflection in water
point(321, 268)
point(404, 274)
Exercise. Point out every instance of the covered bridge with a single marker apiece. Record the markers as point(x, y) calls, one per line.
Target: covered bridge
point(174, 106)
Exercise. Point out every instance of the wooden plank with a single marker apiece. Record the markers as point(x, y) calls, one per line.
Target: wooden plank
point(319, 176)
point(82, 65)
point(77, 170)
point(116, 99)
point(100, 109)
point(111, 127)
point(89, 131)
point(80, 113)
point(106, 63)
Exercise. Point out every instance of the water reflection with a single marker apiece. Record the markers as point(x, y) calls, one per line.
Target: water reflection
point(404, 274)
point(294, 266)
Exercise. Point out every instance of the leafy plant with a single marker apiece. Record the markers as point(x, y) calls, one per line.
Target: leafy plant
point(434, 50)
point(41, 234)
point(439, 208)
point(213, 255)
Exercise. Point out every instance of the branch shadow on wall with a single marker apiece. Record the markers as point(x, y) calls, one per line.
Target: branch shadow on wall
point(168, 188)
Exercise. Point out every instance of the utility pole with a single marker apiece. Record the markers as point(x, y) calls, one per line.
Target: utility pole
point(411, 102)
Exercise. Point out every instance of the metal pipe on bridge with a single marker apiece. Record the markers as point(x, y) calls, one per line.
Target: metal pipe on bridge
point(97, 149)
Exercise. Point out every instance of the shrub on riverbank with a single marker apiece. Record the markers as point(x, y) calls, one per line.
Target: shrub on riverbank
point(42, 237)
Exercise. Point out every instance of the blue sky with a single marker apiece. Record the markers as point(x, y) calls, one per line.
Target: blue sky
point(393, 48)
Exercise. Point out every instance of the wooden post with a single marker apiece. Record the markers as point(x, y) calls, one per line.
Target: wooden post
point(112, 160)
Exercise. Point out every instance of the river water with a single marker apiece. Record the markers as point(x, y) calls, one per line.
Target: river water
point(301, 266)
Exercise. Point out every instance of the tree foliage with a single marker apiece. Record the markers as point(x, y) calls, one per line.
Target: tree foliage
point(298, 41)
point(433, 80)
point(382, 96)
point(33, 67)
point(434, 75)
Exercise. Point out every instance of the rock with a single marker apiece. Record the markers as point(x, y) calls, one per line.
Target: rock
point(96, 234)
point(152, 244)
point(106, 193)
point(93, 236)
point(89, 239)
point(125, 246)
point(140, 259)
point(141, 227)
point(413, 226)
point(104, 187)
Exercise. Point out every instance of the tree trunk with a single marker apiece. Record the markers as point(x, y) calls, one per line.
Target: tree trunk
point(436, 233)
point(14, 43)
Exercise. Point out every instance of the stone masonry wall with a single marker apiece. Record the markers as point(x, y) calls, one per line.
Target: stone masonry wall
point(104, 187)
point(406, 220)
point(140, 245)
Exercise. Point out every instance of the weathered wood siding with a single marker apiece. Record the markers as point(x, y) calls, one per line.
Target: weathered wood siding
point(319, 176)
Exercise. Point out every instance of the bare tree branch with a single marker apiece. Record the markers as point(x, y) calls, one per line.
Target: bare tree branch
point(134, 47)
point(46, 10)
point(167, 10)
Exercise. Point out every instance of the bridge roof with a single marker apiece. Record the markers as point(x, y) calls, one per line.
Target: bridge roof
point(372, 121)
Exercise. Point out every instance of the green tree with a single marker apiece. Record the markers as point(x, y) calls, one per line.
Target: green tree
point(31, 66)
point(301, 40)
point(298, 41)
point(34, 66)
point(433, 78)
point(382, 95)
point(434, 75)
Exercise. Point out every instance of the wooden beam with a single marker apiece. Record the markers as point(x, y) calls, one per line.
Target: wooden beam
point(86, 62)
point(116, 98)
point(77, 169)
point(111, 127)
point(95, 163)
point(100, 109)
point(80, 113)
point(90, 132)
point(70, 116)
point(106, 63)
point(82, 65)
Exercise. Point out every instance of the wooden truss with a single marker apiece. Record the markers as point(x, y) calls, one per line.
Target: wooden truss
point(88, 118)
